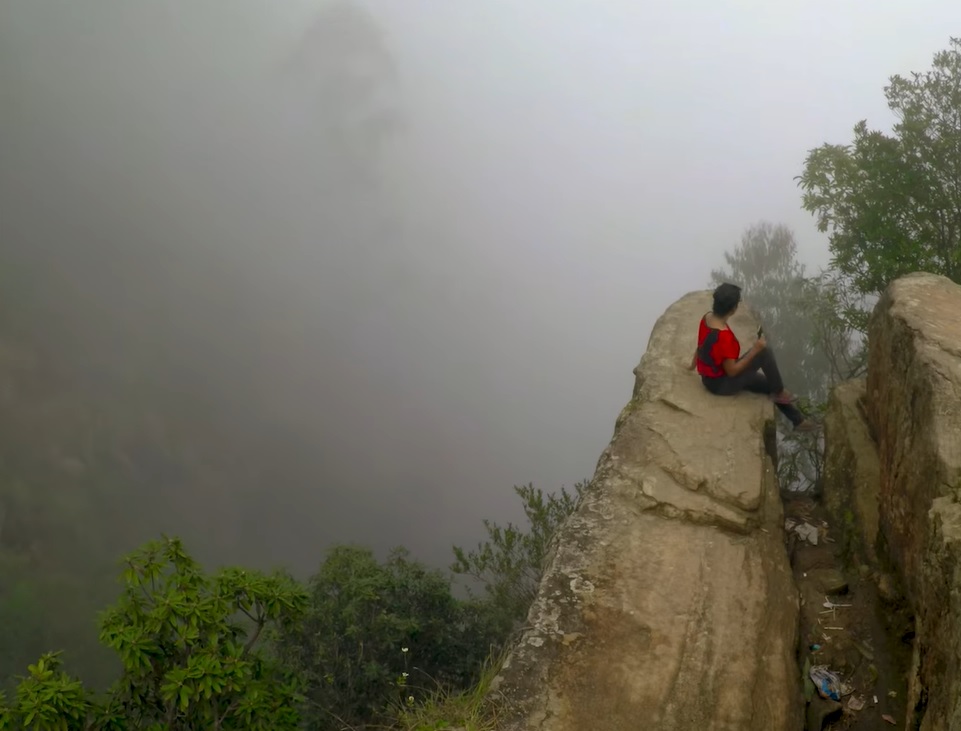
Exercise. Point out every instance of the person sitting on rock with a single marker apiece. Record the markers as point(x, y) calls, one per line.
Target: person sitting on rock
point(725, 372)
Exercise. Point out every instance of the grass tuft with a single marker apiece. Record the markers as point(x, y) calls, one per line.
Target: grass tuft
point(442, 710)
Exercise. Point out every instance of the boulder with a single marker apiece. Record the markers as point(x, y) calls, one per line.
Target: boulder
point(669, 602)
point(914, 409)
point(851, 472)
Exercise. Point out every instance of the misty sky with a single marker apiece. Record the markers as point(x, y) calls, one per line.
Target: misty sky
point(563, 171)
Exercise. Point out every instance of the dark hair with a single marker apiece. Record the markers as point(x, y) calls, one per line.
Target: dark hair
point(726, 298)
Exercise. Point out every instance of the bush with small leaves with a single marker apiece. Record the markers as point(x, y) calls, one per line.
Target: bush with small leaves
point(378, 632)
point(511, 561)
point(188, 645)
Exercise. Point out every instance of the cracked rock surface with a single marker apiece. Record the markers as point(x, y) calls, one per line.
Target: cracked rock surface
point(669, 602)
point(913, 407)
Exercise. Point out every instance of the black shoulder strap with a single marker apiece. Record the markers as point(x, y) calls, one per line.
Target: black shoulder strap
point(704, 352)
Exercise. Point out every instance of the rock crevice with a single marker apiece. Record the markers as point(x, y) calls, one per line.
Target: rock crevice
point(913, 408)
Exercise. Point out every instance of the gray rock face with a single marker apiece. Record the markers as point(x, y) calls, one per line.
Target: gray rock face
point(669, 603)
point(914, 408)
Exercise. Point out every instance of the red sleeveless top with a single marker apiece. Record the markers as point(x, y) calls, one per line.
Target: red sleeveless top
point(725, 346)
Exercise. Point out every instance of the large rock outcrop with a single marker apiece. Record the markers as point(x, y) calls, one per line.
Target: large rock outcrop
point(914, 409)
point(669, 603)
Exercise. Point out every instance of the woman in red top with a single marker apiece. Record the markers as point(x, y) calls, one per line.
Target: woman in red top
point(725, 372)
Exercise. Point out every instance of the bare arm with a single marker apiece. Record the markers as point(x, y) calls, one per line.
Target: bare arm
point(737, 367)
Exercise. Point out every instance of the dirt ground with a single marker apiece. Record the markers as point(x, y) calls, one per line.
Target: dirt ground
point(865, 641)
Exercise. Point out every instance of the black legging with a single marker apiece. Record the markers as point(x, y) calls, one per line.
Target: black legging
point(768, 382)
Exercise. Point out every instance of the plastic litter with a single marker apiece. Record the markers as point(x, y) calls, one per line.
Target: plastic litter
point(856, 703)
point(807, 532)
point(828, 684)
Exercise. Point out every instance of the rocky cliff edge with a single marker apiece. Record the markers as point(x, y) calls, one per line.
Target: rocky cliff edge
point(668, 603)
point(913, 407)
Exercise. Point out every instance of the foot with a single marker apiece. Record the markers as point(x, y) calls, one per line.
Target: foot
point(785, 397)
point(807, 426)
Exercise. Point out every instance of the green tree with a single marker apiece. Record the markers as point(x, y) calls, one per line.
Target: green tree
point(48, 699)
point(511, 562)
point(188, 646)
point(839, 318)
point(797, 327)
point(891, 204)
point(375, 632)
point(765, 265)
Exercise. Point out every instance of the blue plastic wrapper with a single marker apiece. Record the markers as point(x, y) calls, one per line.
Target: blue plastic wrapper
point(827, 683)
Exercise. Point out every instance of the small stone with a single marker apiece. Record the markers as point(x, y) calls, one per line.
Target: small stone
point(864, 571)
point(856, 703)
point(830, 581)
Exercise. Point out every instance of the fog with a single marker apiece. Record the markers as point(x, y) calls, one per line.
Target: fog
point(398, 257)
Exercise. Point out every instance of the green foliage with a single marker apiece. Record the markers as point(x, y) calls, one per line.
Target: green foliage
point(814, 323)
point(388, 642)
point(187, 645)
point(188, 656)
point(765, 265)
point(509, 564)
point(802, 324)
point(48, 699)
point(891, 203)
point(511, 561)
point(371, 641)
point(372, 628)
point(839, 317)
point(471, 710)
point(81, 473)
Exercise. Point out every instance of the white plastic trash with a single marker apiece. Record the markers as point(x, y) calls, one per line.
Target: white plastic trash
point(807, 532)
